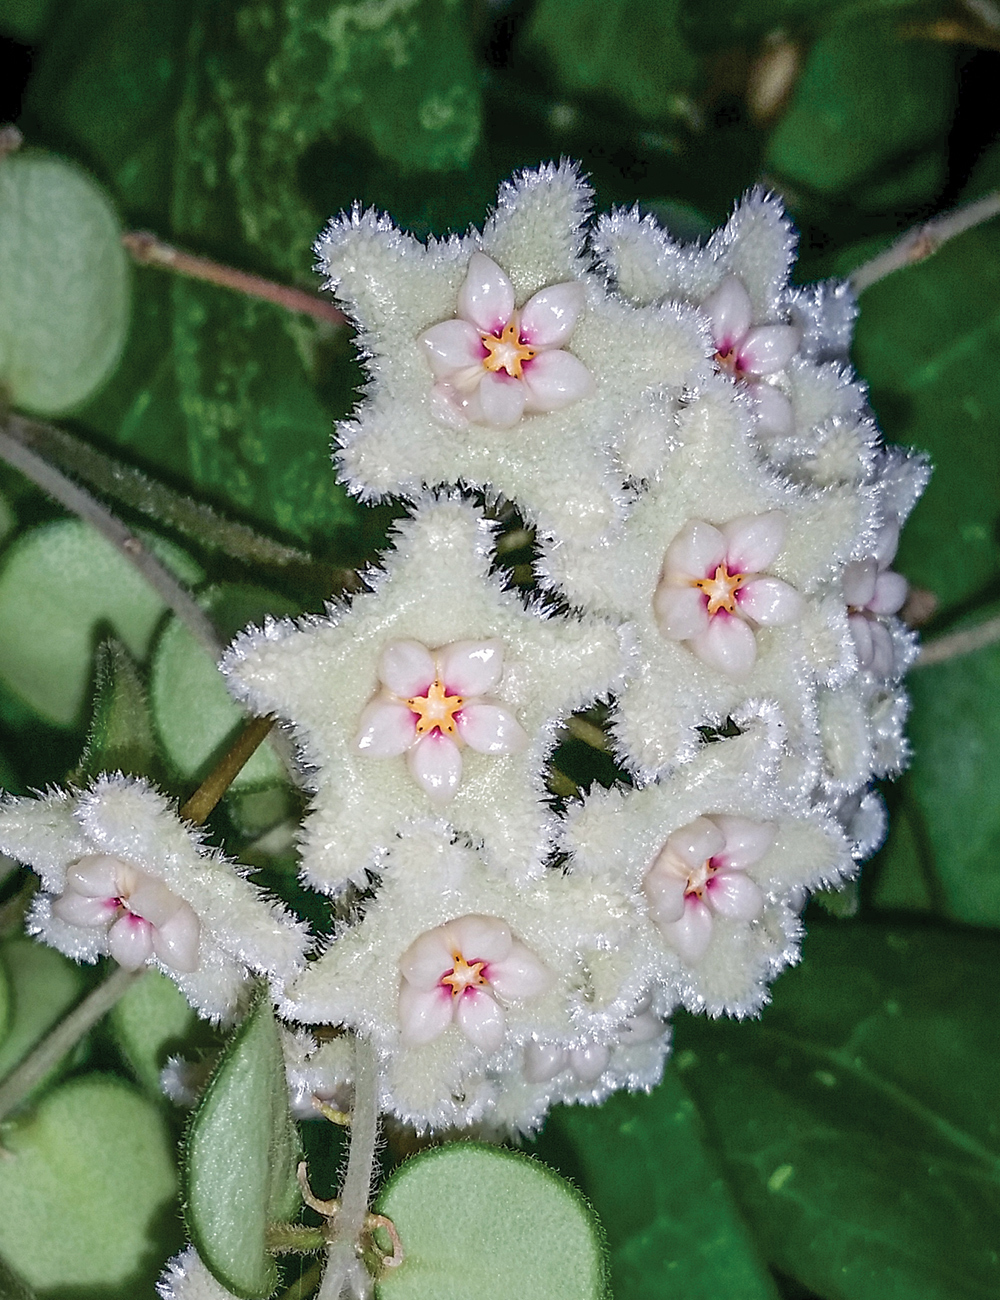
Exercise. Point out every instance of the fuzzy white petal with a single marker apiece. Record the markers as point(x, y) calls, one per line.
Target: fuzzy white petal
point(549, 317)
point(775, 414)
point(556, 379)
point(486, 297)
point(385, 728)
point(471, 667)
point(406, 667)
point(753, 541)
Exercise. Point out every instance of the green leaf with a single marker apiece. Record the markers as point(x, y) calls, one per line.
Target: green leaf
point(631, 50)
point(149, 1023)
point(121, 727)
point(59, 584)
point(865, 98)
point(44, 985)
point(26, 21)
point(673, 1227)
point(64, 284)
point(923, 342)
point(516, 1229)
point(857, 1120)
point(196, 717)
point(240, 1158)
point(952, 791)
point(13, 1287)
point(87, 1189)
point(720, 23)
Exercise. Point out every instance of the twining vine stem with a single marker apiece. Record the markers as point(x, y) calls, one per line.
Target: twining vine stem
point(922, 241)
point(149, 250)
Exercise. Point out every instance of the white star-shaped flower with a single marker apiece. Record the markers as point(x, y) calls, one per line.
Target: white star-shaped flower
point(716, 860)
point(436, 609)
point(497, 359)
point(123, 876)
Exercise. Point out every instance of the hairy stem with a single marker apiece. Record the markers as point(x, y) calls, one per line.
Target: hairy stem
point(151, 251)
point(954, 644)
point(82, 504)
point(54, 1046)
point(345, 1273)
point(922, 241)
point(225, 772)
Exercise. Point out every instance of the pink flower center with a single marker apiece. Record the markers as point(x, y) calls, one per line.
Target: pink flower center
point(720, 589)
point(507, 352)
point(699, 880)
point(436, 709)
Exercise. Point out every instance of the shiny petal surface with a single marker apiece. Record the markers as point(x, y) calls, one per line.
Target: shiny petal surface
point(556, 379)
point(82, 909)
point(883, 663)
point(746, 841)
point(452, 346)
point(696, 842)
point(890, 593)
point(664, 892)
point(153, 901)
point(406, 667)
point(696, 551)
point(428, 957)
point(690, 936)
point(501, 399)
point(176, 941)
point(99, 875)
point(490, 729)
point(887, 543)
point(130, 941)
point(479, 938)
point(543, 1061)
point(734, 895)
point(436, 765)
point(590, 1061)
point(861, 631)
point(681, 612)
point(471, 667)
point(774, 411)
point(729, 646)
point(753, 541)
point(519, 975)
point(858, 582)
point(423, 1016)
point(768, 349)
point(486, 297)
point(550, 316)
point(643, 1027)
point(480, 1019)
point(730, 311)
point(770, 602)
point(385, 728)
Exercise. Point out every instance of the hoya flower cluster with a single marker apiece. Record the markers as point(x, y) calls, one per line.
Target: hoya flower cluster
point(715, 520)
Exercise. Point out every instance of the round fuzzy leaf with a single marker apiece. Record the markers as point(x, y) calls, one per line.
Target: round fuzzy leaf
point(196, 717)
point(149, 1022)
point(64, 284)
point(240, 1158)
point(43, 986)
point(86, 1190)
point(490, 1223)
point(58, 584)
point(6, 1001)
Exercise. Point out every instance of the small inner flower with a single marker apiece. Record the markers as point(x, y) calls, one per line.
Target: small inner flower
point(464, 975)
point(721, 589)
point(507, 352)
point(436, 709)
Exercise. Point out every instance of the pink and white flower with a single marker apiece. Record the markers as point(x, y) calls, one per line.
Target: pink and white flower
point(872, 591)
point(701, 873)
point(714, 590)
point(432, 703)
point(493, 363)
point(465, 972)
point(141, 916)
point(751, 353)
